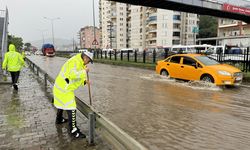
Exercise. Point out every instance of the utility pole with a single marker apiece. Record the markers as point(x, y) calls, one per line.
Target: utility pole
point(95, 40)
point(73, 44)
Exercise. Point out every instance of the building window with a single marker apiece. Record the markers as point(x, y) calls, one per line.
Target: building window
point(177, 17)
point(176, 33)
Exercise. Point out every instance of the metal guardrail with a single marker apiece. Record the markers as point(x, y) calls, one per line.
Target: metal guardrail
point(108, 130)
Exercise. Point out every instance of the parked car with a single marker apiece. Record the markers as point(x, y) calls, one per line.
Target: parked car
point(186, 49)
point(108, 51)
point(38, 53)
point(27, 53)
point(227, 53)
point(199, 67)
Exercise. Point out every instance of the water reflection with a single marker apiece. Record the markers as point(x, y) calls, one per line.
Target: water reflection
point(13, 118)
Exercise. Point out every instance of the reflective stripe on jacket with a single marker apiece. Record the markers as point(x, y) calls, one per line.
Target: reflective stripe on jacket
point(74, 71)
point(13, 61)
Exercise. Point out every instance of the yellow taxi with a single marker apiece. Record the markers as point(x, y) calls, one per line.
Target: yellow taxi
point(199, 67)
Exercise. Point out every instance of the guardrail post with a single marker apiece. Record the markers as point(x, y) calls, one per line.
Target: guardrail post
point(33, 67)
point(110, 55)
point(101, 54)
point(37, 71)
point(45, 80)
point(91, 124)
point(105, 54)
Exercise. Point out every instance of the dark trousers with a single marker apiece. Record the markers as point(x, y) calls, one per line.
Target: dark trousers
point(15, 76)
point(71, 117)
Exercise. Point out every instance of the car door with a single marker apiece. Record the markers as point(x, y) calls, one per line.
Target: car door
point(174, 66)
point(190, 68)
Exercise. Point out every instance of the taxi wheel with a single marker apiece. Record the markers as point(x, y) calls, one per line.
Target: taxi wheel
point(165, 73)
point(207, 78)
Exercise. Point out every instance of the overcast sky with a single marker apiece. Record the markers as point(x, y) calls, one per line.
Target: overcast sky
point(26, 17)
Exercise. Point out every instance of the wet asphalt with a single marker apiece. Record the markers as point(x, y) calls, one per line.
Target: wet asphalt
point(27, 119)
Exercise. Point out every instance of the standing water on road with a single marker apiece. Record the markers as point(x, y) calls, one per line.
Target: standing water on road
point(164, 114)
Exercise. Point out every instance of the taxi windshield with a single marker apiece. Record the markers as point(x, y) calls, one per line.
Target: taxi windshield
point(207, 61)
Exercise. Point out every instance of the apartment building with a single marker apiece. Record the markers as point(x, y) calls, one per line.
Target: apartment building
point(87, 37)
point(113, 24)
point(159, 28)
point(233, 32)
point(189, 23)
point(139, 27)
point(229, 27)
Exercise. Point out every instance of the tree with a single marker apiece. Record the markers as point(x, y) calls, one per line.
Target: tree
point(27, 46)
point(17, 41)
point(208, 26)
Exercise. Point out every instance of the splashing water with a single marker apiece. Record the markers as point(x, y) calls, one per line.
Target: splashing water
point(199, 85)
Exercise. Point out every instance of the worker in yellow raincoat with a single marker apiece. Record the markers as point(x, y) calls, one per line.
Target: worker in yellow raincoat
point(73, 74)
point(13, 62)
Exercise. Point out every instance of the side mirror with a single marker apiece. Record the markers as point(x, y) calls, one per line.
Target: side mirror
point(194, 65)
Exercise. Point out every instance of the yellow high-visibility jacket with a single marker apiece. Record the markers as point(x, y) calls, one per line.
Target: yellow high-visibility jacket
point(74, 71)
point(13, 60)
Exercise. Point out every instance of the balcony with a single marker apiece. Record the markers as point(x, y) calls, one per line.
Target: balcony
point(176, 37)
point(154, 14)
point(176, 29)
point(152, 20)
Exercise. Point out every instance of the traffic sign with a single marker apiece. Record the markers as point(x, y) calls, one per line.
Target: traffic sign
point(195, 30)
point(95, 42)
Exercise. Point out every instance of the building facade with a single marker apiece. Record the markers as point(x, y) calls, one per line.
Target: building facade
point(87, 37)
point(229, 27)
point(233, 32)
point(113, 24)
point(129, 26)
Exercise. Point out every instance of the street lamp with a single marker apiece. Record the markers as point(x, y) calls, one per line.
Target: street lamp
point(52, 21)
point(42, 33)
point(94, 24)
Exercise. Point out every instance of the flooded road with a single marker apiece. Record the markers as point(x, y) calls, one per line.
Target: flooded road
point(164, 114)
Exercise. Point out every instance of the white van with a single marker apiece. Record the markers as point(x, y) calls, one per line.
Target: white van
point(108, 51)
point(226, 53)
point(190, 48)
point(82, 50)
point(124, 50)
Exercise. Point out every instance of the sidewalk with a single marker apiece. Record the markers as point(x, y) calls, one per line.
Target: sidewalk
point(27, 119)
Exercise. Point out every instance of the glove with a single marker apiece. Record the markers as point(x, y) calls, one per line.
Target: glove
point(67, 80)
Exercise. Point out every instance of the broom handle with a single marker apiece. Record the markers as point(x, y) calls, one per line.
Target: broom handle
point(90, 99)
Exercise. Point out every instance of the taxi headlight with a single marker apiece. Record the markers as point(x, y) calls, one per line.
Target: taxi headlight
point(224, 73)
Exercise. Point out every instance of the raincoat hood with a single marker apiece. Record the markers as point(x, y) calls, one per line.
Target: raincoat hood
point(12, 48)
